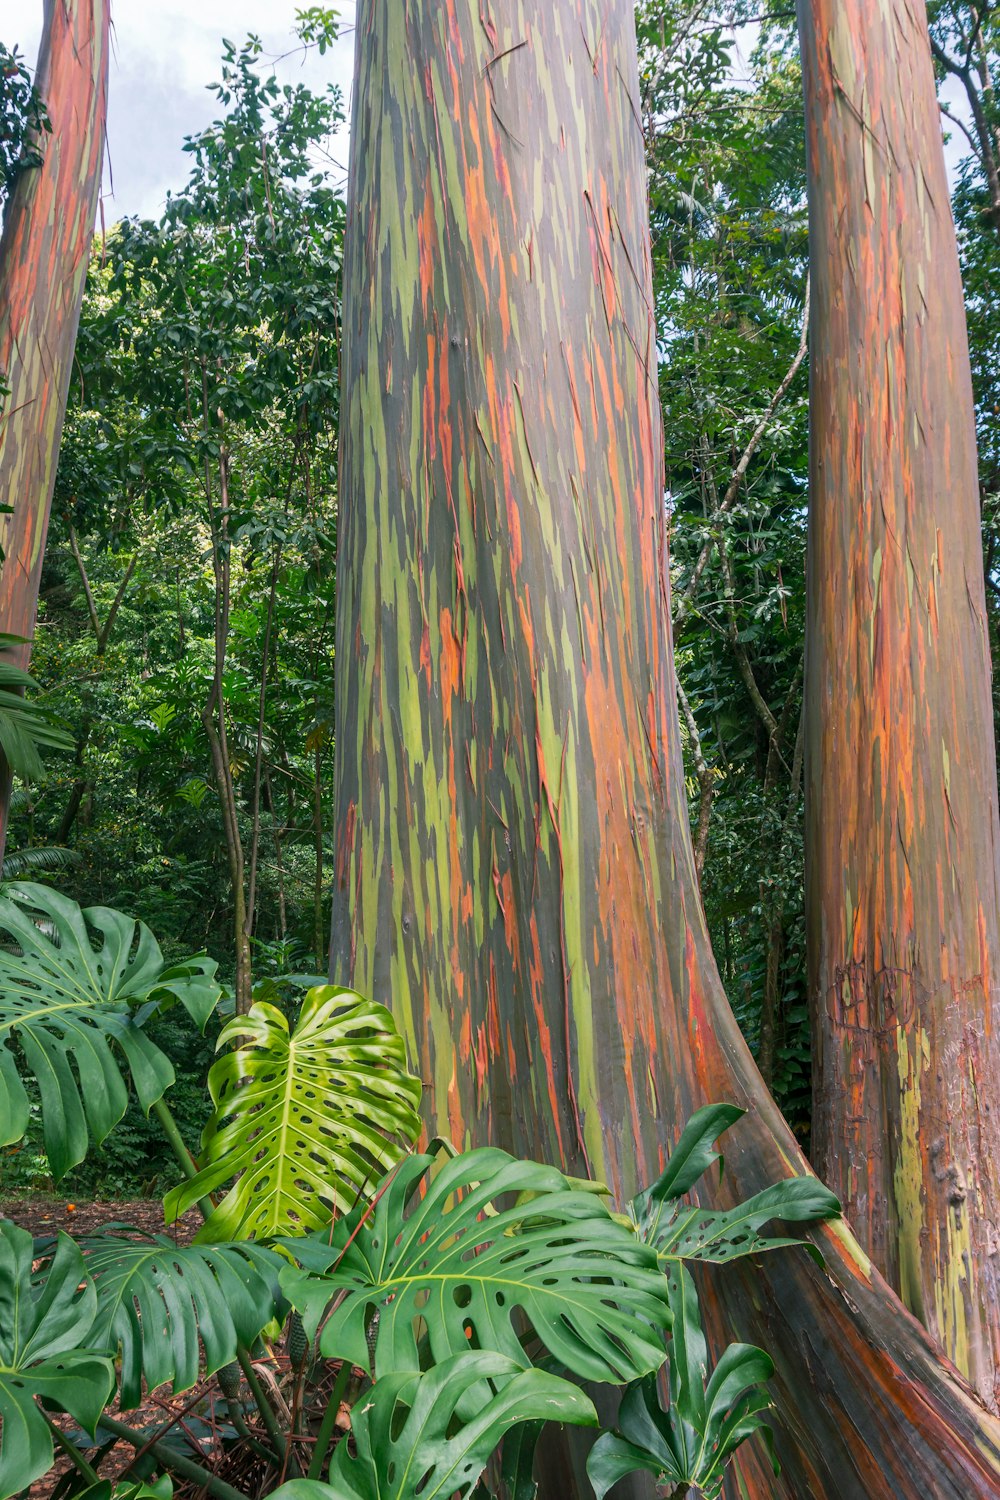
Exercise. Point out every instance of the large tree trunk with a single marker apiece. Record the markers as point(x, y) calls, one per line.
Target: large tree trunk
point(902, 826)
point(43, 267)
point(514, 872)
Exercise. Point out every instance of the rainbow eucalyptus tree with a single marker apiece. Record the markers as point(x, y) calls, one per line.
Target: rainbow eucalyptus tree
point(44, 253)
point(514, 871)
point(902, 825)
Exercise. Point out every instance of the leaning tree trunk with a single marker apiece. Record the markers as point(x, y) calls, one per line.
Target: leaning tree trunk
point(902, 825)
point(514, 871)
point(43, 267)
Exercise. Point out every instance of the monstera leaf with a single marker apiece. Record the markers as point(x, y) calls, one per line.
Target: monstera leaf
point(306, 1121)
point(684, 1232)
point(68, 1002)
point(157, 1302)
point(460, 1266)
point(689, 1444)
point(45, 1329)
point(413, 1443)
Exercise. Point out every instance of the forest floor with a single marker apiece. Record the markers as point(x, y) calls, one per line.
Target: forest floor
point(43, 1214)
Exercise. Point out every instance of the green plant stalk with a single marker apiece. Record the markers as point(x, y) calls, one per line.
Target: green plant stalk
point(172, 1132)
point(329, 1421)
point(68, 1446)
point(185, 1468)
point(205, 1205)
point(264, 1406)
point(238, 1421)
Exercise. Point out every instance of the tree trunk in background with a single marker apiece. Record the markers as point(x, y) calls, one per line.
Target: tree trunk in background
point(514, 872)
point(43, 267)
point(902, 826)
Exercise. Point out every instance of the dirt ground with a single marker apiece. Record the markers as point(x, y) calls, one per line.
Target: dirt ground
point(42, 1214)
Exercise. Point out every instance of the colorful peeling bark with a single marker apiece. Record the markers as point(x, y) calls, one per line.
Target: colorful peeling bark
point(902, 876)
point(44, 253)
point(514, 871)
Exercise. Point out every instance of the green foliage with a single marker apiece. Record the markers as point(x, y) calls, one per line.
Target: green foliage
point(439, 1252)
point(45, 1350)
point(415, 1440)
point(684, 1232)
point(24, 120)
point(689, 1445)
point(172, 1313)
point(67, 1002)
point(306, 1119)
point(26, 729)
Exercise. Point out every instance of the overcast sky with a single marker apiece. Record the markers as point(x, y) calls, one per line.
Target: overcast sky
point(164, 53)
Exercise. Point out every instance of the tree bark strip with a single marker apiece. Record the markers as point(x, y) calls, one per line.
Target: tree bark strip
point(902, 889)
point(513, 863)
point(44, 255)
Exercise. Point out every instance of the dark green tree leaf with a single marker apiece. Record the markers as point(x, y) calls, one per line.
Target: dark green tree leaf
point(71, 1004)
point(171, 1313)
point(45, 1350)
point(462, 1266)
point(414, 1440)
point(691, 1442)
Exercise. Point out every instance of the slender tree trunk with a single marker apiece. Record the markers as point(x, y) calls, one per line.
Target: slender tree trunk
point(43, 267)
point(213, 718)
point(319, 936)
point(902, 877)
point(513, 864)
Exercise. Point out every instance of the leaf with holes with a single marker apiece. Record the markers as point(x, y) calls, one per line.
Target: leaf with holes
point(438, 1252)
point(160, 1304)
point(45, 1331)
point(306, 1121)
point(690, 1444)
point(682, 1231)
point(412, 1438)
point(75, 992)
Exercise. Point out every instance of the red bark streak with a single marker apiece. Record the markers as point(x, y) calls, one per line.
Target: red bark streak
point(43, 266)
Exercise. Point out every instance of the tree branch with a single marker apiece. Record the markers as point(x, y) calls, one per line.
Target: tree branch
point(684, 601)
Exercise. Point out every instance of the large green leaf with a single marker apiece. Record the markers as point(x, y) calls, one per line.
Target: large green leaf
point(45, 1330)
point(159, 1304)
point(683, 1231)
point(460, 1265)
point(306, 1121)
point(413, 1441)
point(77, 1007)
point(26, 728)
point(691, 1442)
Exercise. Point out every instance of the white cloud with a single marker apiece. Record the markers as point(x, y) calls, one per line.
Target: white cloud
point(165, 53)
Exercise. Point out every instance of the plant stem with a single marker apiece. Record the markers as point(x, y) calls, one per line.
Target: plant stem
point(68, 1446)
point(187, 1164)
point(329, 1421)
point(264, 1406)
point(190, 1169)
point(176, 1463)
point(238, 1421)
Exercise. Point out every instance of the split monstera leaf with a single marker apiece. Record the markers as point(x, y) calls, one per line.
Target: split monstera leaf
point(306, 1120)
point(77, 987)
